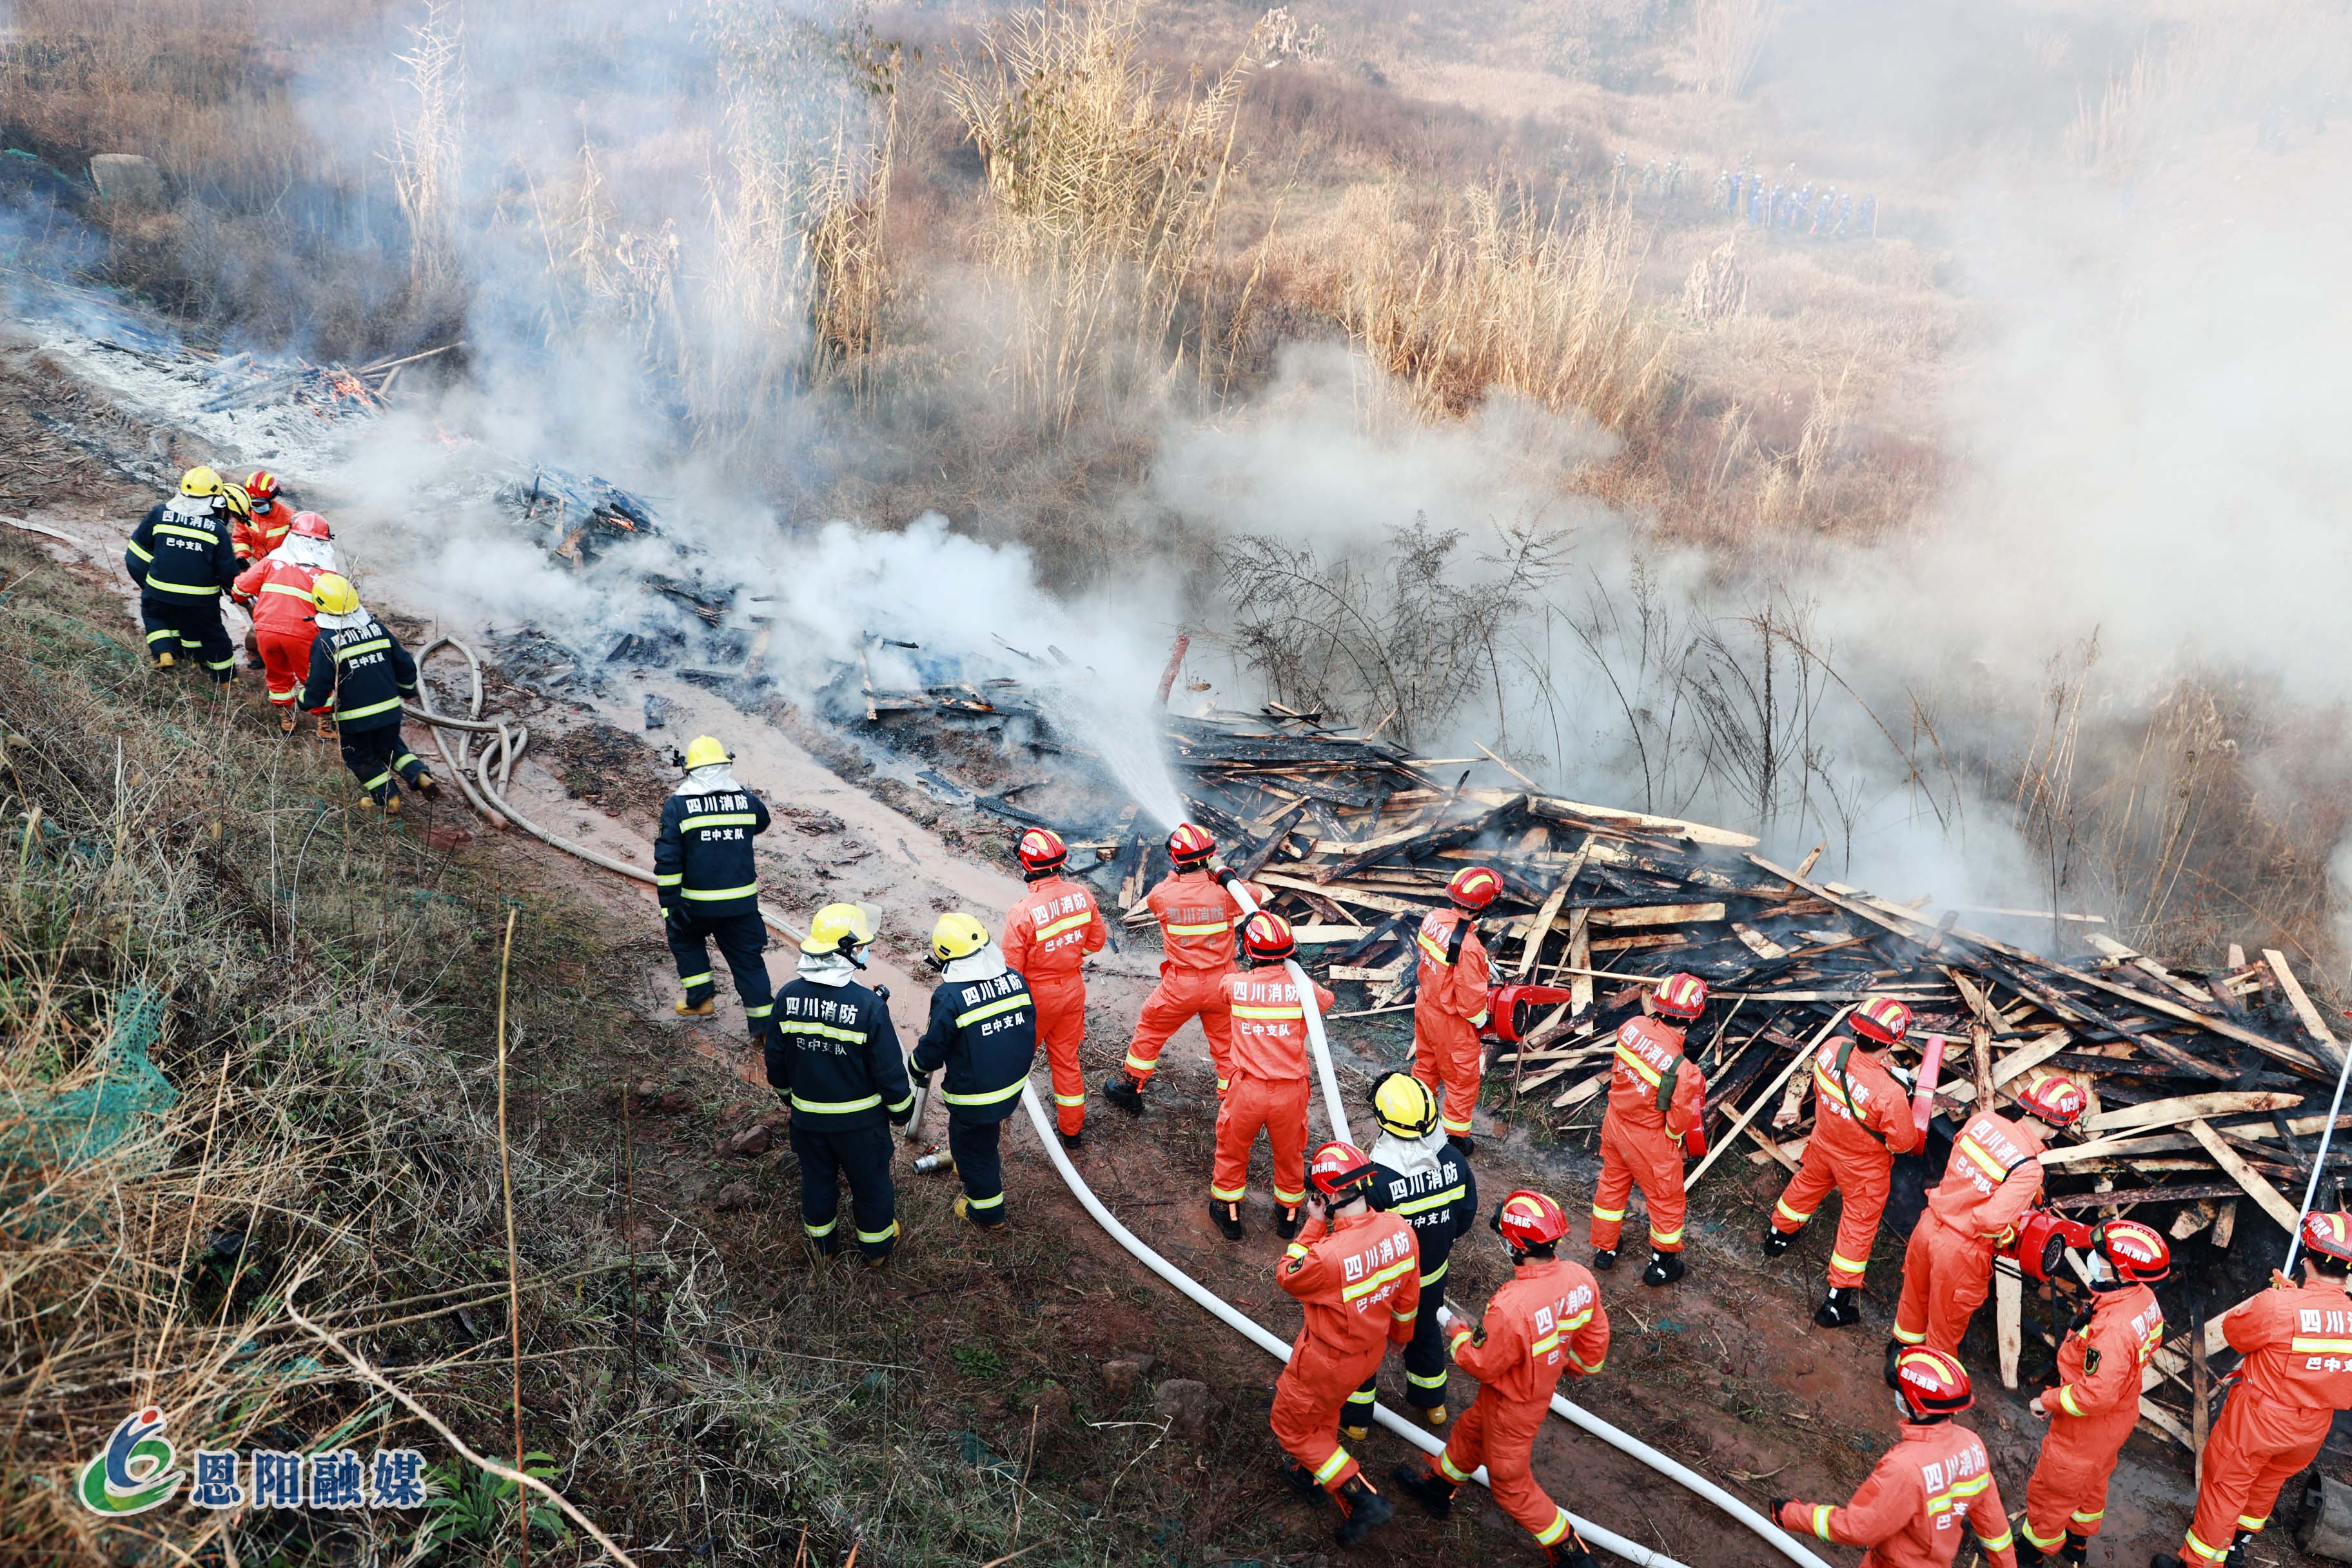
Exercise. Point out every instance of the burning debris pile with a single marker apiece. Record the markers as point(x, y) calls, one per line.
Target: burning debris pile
point(330, 390)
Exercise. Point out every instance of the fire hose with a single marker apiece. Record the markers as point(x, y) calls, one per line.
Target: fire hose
point(485, 791)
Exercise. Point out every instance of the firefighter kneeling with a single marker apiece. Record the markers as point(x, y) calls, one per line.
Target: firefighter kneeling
point(2097, 1402)
point(1546, 1323)
point(1358, 1273)
point(1909, 1510)
point(2297, 1341)
point(983, 1030)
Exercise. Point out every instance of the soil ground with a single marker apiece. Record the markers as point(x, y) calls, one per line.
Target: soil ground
point(1725, 1371)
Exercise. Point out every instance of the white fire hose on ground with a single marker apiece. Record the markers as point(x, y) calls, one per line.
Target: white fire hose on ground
point(485, 791)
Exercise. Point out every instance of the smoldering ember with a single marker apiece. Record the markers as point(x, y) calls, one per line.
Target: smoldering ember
point(706, 707)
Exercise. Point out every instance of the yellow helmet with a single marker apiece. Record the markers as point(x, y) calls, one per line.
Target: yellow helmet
point(200, 480)
point(836, 929)
point(705, 750)
point(238, 500)
point(333, 594)
point(957, 935)
point(1402, 1104)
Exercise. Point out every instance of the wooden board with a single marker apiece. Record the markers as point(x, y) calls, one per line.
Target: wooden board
point(2312, 1023)
point(2258, 1187)
point(1541, 925)
point(2190, 1108)
point(2009, 1322)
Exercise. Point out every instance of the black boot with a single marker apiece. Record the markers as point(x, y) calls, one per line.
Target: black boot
point(1894, 1354)
point(1664, 1269)
point(1432, 1491)
point(1124, 1092)
point(1366, 1510)
point(1778, 1241)
point(1228, 1217)
point(2028, 1554)
point(1604, 1258)
point(1287, 1223)
point(1840, 1311)
point(2166, 1559)
point(1467, 1144)
point(1071, 1139)
point(2077, 1550)
point(1570, 1553)
point(1298, 1479)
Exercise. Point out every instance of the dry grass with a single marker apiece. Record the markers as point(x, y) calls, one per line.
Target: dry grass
point(1729, 37)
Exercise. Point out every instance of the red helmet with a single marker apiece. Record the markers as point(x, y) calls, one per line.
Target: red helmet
point(1530, 1219)
point(1932, 1384)
point(1042, 849)
point(1266, 937)
point(2329, 1233)
point(1189, 845)
point(1475, 887)
point(1339, 1170)
point(2135, 1251)
point(2057, 1100)
point(1884, 1020)
point(1680, 996)
point(263, 486)
point(310, 525)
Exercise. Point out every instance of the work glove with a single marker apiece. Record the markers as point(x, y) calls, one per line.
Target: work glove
point(673, 915)
point(1772, 1506)
point(1225, 877)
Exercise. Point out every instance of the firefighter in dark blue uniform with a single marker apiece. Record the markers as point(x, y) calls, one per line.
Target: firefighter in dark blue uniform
point(834, 1056)
point(360, 672)
point(983, 1030)
point(709, 885)
point(184, 560)
point(1422, 1178)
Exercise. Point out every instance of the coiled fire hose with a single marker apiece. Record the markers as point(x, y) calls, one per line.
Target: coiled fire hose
point(485, 790)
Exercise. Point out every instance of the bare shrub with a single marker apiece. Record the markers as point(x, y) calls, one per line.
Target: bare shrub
point(426, 146)
point(1729, 36)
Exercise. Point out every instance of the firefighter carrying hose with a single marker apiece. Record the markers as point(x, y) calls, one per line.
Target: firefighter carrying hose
point(1994, 1178)
point(834, 1058)
point(278, 592)
point(1547, 1323)
point(1657, 1115)
point(1419, 1176)
point(360, 672)
point(1862, 1120)
point(183, 560)
point(1268, 1090)
point(2297, 1341)
point(1358, 1273)
point(1047, 936)
point(1197, 914)
point(2097, 1402)
point(983, 1030)
point(1910, 1510)
point(708, 882)
point(1449, 1003)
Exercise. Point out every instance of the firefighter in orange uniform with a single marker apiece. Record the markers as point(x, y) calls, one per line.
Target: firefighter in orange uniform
point(1197, 913)
point(270, 519)
point(1047, 936)
point(276, 591)
point(1994, 1178)
point(1449, 1003)
point(1862, 1120)
point(1270, 1078)
point(1657, 1102)
point(1356, 1272)
point(1547, 1323)
point(1909, 1510)
point(2096, 1402)
point(2297, 1341)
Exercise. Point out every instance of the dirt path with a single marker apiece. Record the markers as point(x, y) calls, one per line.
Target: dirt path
point(1724, 1371)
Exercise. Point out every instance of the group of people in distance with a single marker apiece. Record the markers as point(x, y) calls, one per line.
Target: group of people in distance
point(316, 644)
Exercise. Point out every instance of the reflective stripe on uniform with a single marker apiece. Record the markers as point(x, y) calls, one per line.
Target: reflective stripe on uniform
point(803, 1027)
point(1447, 1467)
point(2066, 1400)
point(2001, 1542)
point(378, 780)
point(1545, 1345)
point(1371, 1282)
point(206, 589)
point(1583, 1370)
point(1288, 1200)
point(1069, 1099)
point(2303, 1344)
point(1665, 1237)
point(1001, 1005)
point(1428, 1201)
point(707, 895)
point(1981, 1158)
point(353, 650)
point(719, 819)
point(835, 1106)
point(821, 1231)
point(1227, 1194)
point(1269, 1011)
point(1552, 1532)
point(177, 532)
point(1907, 1337)
point(371, 710)
point(2246, 1523)
point(1838, 1260)
point(1432, 951)
point(289, 590)
point(1822, 1512)
point(2210, 1553)
point(147, 555)
point(2081, 1518)
point(228, 663)
point(1217, 928)
point(1139, 1064)
point(872, 1236)
point(2044, 1543)
point(691, 980)
point(668, 878)
point(1610, 1215)
point(166, 635)
point(1067, 922)
point(1439, 1273)
point(1331, 1467)
point(1643, 1069)
point(987, 1097)
point(1436, 1379)
point(995, 1203)
point(1958, 1494)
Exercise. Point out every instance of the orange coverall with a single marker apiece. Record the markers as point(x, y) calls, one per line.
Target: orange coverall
point(1843, 1155)
point(1548, 1322)
point(1449, 1006)
point(1909, 1511)
point(1047, 936)
point(1197, 920)
point(1640, 1145)
point(1360, 1281)
point(2297, 1341)
point(284, 622)
point(1994, 1175)
point(253, 541)
point(1269, 1086)
point(2092, 1411)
